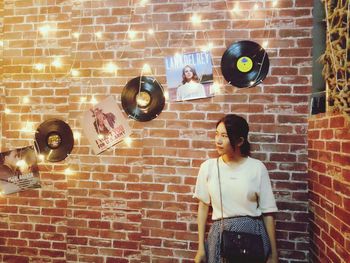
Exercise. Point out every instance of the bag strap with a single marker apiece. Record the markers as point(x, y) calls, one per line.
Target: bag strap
point(222, 212)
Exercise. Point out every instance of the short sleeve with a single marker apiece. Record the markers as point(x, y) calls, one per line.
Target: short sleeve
point(267, 202)
point(201, 190)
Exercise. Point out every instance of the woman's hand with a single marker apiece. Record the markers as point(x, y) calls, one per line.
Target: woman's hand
point(200, 256)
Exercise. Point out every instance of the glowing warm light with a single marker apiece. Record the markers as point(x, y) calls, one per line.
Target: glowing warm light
point(146, 69)
point(265, 44)
point(151, 31)
point(216, 88)
point(100, 136)
point(236, 8)
point(256, 6)
point(166, 95)
point(25, 100)
point(7, 111)
point(75, 72)
point(98, 34)
point(132, 34)
point(39, 66)
point(1, 43)
point(68, 171)
point(44, 30)
point(93, 101)
point(57, 63)
point(41, 157)
point(196, 19)
point(128, 141)
point(1, 192)
point(143, 2)
point(76, 34)
point(28, 127)
point(208, 47)
point(274, 3)
point(21, 163)
point(111, 67)
point(251, 83)
point(83, 99)
point(77, 135)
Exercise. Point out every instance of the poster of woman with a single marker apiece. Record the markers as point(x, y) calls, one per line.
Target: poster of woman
point(189, 76)
point(104, 125)
point(18, 170)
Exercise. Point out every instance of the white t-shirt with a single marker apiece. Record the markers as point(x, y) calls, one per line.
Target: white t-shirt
point(190, 90)
point(241, 187)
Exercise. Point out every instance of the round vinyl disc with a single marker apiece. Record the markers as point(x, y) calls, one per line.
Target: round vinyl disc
point(245, 64)
point(143, 98)
point(54, 139)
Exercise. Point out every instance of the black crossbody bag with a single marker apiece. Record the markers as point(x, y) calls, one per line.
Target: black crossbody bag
point(240, 247)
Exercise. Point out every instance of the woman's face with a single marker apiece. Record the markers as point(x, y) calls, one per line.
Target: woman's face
point(222, 142)
point(188, 73)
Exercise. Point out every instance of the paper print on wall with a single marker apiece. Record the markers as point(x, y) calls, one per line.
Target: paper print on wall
point(18, 170)
point(189, 76)
point(104, 125)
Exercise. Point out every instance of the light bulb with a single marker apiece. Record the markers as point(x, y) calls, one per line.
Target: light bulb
point(68, 171)
point(76, 135)
point(265, 44)
point(76, 34)
point(132, 34)
point(146, 69)
point(25, 100)
point(196, 19)
point(98, 34)
point(216, 88)
point(75, 72)
point(111, 67)
point(93, 101)
point(57, 63)
point(7, 111)
point(143, 2)
point(150, 31)
point(166, 95)
point(39, 66)
point(128, 141)
point(44, 30)
point(41, 157)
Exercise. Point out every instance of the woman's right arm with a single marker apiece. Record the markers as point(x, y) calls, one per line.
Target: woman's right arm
point(201, 220)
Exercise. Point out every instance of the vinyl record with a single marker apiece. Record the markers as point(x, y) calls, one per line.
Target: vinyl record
point(143, 98)
point(54, 139)
point(245, 64)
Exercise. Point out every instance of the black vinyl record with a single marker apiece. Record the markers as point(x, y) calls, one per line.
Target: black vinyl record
point(245, 64)
point(54, 139)
point(143, 98)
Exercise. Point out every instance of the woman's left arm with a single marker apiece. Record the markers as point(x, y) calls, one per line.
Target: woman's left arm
point(269, 222)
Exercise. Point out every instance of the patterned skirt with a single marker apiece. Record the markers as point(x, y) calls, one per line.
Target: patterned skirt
point(241, 224)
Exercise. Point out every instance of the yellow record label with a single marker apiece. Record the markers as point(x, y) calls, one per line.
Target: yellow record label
point(244, 64)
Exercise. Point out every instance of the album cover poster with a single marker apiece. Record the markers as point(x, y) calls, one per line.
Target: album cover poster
point(189, 76)
point(18, 170)
point(104, 125)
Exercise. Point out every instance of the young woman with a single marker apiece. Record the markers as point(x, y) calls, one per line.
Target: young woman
point(248, 203)
point(191, 88)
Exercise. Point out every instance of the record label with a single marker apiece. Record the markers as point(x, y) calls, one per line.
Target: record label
point(245, 64)
point(54, 139)
point(143, 98)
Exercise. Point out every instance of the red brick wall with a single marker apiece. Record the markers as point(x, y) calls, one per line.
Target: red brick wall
point(329, 178)
point(135, 203)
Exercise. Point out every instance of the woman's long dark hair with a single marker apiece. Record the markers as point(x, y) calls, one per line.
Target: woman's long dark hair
point(194, 72)
point(236, 127)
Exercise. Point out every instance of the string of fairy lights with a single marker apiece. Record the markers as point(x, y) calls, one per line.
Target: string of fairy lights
point(54, 64)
